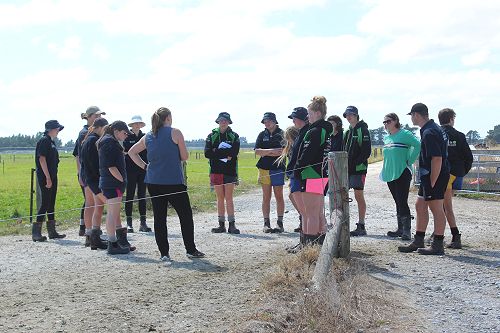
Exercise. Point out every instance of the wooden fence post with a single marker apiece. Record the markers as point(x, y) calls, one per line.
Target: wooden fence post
point(337, 240)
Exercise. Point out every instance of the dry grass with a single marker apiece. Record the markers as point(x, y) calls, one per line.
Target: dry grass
point(290, 305)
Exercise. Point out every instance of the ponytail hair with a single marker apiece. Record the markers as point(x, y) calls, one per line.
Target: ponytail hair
point(318, 103)
point(291, 133)
point(158, 119)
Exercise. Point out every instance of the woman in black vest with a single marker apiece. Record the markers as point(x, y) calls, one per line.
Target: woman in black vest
point(221, 148)
point(47, 161)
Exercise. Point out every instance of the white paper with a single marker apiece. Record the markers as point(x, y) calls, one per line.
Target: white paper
point(224, 145)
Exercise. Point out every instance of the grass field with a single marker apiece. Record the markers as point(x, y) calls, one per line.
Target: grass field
point(15, 179)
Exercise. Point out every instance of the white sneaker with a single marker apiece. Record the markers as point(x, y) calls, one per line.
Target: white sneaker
point(166, 260)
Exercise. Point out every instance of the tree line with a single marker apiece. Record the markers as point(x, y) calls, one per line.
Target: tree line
point(377, 137)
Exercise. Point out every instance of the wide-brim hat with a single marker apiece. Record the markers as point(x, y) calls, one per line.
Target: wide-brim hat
point(350, 110)
point(269, 116)
point(225, 116)
point(53, 124)
point(136, 120)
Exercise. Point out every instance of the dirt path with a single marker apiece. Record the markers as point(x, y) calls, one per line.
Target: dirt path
point(60, 286)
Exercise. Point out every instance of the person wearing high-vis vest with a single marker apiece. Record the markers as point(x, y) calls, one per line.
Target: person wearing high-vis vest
point(357, 143)
point(222, 147)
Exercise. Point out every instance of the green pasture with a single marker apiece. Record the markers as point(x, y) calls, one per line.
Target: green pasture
point(15, 176)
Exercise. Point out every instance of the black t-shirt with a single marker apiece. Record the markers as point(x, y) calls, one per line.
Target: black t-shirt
point(79, 140)
point(90, 159)
point(111, 155)
point(127, 144)
point(46, 147)
point(434, 142)
point(268, 140)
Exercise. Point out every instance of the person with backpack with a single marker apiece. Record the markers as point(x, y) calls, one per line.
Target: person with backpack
point(222, 147)
point(135, 177)
point(269, 146)
point(47, 161)
point(357, 144)
point(460, 159)
point(401, 149)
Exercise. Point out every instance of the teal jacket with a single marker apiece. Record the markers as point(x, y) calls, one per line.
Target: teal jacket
point(401, 149)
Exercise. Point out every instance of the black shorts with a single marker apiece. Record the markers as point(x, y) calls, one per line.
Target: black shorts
point(433, 193)
point(94, 187)
point(111, 193)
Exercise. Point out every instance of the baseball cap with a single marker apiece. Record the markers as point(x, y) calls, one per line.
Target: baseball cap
point(100, 122)
point(223, 115)
point(269, 116)
point(350, 110)
point(119, 125)
point(52, 124)
point(419, 108)
point(299, 113)
point(90, 111)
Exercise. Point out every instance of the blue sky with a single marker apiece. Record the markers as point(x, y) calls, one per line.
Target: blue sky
point(200, 58)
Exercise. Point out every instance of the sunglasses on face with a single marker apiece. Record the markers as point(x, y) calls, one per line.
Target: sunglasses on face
point(385, 122)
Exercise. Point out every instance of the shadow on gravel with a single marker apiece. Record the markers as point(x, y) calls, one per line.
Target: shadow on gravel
point(382, 237)
point(132, 257)
point(68, 242)
point(475, 261)
point(494, 254)
point(201, 265)
point(252, 236)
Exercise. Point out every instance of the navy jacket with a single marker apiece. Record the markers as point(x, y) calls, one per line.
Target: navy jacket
point(268, 140)
point(111, 155)
point(434, 142)
point(89, 158)
point(46, 147)
point(127, 144)
point(459, 153)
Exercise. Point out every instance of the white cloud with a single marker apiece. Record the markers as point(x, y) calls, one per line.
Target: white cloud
point(429, 29)
point(100, 52)
point(70, 49)
point(476, 58)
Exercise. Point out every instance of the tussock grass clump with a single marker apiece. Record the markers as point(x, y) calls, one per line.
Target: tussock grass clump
point(347, 303)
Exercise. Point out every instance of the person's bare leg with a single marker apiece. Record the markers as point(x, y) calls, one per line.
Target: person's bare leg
point(360, 199)
point(436, 207)
point(448, 208)
point(266, 200)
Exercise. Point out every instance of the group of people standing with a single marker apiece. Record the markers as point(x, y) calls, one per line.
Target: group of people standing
point(117, 158)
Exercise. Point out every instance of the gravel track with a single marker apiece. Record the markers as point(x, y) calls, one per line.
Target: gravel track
point(60, 286)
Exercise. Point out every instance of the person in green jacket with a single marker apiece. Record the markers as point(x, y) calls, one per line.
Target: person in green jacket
point(401, 149)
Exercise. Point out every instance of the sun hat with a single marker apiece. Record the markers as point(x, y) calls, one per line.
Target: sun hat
point(350, 110)
point(52, 124)
point(136, 119)
point(269, 116)
point(90, 111)
point(299, 113)
point(223, 115)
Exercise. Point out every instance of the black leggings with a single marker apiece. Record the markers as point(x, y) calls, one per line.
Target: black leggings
point(399, 190)
point(181, 204)
point(48, 199)
point(135, 180)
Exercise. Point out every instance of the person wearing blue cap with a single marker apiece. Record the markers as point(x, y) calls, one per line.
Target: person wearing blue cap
point(269, 146)
point(222, 147)
point(47, 161)
point(357, 143)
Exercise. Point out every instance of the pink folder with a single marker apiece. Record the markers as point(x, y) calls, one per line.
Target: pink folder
point(316, 185)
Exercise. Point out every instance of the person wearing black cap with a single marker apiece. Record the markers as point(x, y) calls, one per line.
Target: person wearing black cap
point(135, 177)
point(268, 146)
point(47, 161)
point(357, 143)
point(301, 123)
point(434, 176)
point(222, 147)
point(460, 159)
point(90, 173)
point(112, 182)
point(90, 115)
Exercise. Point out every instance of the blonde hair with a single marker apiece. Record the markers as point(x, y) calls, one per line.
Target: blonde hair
point(318, 103)
point(291, 133)
point(158, 119)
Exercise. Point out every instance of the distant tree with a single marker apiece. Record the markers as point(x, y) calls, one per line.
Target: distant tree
point(473, 137)
point(494, 134)
point(243, 140)
point(69, 144)
point(377, 135)
point(411, 129)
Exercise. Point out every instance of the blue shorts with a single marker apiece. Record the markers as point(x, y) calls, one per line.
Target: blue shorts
point(111, 193)
point(357, 182)
point(455, 183)
point(294, 185)
point(272, 177)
